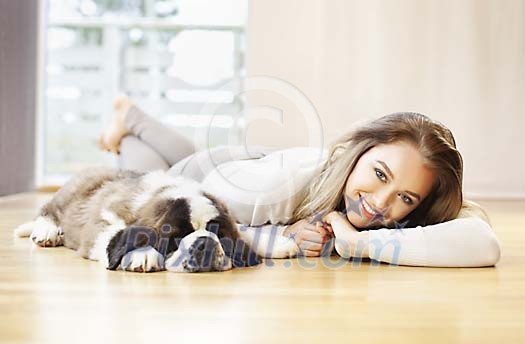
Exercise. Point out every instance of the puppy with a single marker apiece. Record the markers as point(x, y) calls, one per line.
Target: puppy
point(146, 222)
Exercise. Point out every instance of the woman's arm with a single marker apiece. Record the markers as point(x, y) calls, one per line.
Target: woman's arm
point(284, 241)
point(268, 228)
point(268, 241)
point(462, 242)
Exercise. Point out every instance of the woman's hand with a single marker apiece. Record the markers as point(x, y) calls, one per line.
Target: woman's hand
point(348, 241)
point(339, 223)
point(310, 237)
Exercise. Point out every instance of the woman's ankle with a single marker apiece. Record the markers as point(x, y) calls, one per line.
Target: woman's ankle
point(116, 129)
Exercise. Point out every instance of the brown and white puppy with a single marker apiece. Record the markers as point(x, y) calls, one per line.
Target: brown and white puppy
point(142, 222)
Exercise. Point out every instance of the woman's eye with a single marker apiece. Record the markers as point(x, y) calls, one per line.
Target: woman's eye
point(383, 178)
point(380, 174)
point(407, 200)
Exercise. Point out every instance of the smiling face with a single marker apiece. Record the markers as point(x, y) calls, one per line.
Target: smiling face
point(390, 180)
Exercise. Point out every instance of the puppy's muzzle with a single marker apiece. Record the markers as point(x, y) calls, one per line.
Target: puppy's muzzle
point(199, 251)
point(204, 255)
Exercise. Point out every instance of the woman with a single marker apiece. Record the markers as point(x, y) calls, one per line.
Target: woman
point(390, 190)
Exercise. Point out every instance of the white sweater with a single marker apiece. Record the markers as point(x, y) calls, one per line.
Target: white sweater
point(265, 191)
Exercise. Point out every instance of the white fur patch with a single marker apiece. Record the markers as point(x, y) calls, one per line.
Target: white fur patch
point(202, 209)
point(99, 249)
point(46, 233)
point(151, 183)
point(144, 259)
point(269, 245)
point(174, 262)
point(24, 230)
point(111, 218)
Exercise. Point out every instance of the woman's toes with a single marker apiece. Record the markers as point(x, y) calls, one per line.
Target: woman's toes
point(116, 129)
point(101, 144)
point(122, 104)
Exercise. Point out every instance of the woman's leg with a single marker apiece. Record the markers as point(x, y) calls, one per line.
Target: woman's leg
point(137, 155)
point(166, 141)
point(129, 120)
point(198, 165)
point(150, 145)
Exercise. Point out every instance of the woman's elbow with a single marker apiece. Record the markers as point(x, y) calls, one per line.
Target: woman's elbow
point(492, 250)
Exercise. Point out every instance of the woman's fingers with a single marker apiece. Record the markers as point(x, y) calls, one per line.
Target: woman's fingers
point(309, 233)
point(309, 253)
point(323, 229)
point(328, 227)
point(311, 246)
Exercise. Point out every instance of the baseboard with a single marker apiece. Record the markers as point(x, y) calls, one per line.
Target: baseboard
point(515, 196)
point(48, 188)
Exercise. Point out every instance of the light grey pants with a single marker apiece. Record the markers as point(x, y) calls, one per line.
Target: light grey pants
point(152, 145)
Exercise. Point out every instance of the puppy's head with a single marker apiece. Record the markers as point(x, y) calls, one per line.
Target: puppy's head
point(214, 244)
point(192, 229)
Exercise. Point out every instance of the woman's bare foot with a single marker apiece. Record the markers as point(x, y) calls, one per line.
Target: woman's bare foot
point(113, 133)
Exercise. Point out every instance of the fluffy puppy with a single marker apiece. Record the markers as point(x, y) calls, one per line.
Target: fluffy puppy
point(141, 222)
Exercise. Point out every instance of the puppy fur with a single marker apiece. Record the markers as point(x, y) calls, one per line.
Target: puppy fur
point(141, 222)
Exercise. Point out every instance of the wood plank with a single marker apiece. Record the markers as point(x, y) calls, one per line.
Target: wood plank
point(51, 295)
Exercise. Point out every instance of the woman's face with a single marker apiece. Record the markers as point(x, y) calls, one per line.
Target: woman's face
point(391, 180)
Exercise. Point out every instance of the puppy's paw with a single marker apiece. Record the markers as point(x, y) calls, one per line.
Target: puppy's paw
point(144, 259)
point(24, 230)
point(46, 233)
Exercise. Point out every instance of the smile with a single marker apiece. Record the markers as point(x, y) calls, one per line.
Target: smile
point(367, 210)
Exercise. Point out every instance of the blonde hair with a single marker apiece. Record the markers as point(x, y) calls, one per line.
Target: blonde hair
point(432, 139)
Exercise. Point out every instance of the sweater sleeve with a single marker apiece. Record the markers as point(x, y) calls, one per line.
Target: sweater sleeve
point(268, 228)
point(268, 189)
point(268, 241)
point(462, 242)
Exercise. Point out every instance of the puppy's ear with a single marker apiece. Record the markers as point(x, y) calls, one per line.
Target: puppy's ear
point(116, 250)
point(224, 227)
point(240, 253)
point(127, 240)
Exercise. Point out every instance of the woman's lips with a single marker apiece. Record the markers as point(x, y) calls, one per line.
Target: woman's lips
point(364, 211)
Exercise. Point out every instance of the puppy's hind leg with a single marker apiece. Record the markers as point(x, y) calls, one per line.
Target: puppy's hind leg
point(44, 230)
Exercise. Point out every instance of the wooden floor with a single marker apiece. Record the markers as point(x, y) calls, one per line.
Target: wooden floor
point(52, 296)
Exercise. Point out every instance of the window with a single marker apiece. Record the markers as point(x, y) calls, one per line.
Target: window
point(182, 61)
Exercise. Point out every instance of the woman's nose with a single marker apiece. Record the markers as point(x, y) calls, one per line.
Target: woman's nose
point(382, 201)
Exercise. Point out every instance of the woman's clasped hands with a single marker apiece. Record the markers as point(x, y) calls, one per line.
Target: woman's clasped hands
point(310, 236)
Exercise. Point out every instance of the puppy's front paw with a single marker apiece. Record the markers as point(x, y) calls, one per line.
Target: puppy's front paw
point(46, 233)
point(144, 259)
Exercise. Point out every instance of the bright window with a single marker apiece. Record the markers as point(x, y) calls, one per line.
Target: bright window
point(182, 61)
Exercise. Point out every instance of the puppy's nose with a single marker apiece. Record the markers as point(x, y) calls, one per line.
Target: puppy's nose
point(202, 255)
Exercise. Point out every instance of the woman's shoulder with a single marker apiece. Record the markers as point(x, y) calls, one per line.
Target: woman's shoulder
point(275, 167)
point(288, 158)
point(266, 188)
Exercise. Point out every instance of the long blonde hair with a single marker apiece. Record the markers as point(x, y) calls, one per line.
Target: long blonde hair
point(433, 140)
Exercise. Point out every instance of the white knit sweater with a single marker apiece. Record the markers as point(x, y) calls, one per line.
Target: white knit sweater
point(264, 192)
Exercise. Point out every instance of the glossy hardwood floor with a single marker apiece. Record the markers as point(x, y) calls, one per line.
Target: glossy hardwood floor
point(52, 296)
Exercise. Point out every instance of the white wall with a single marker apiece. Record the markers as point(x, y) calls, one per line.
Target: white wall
point(460, 62)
